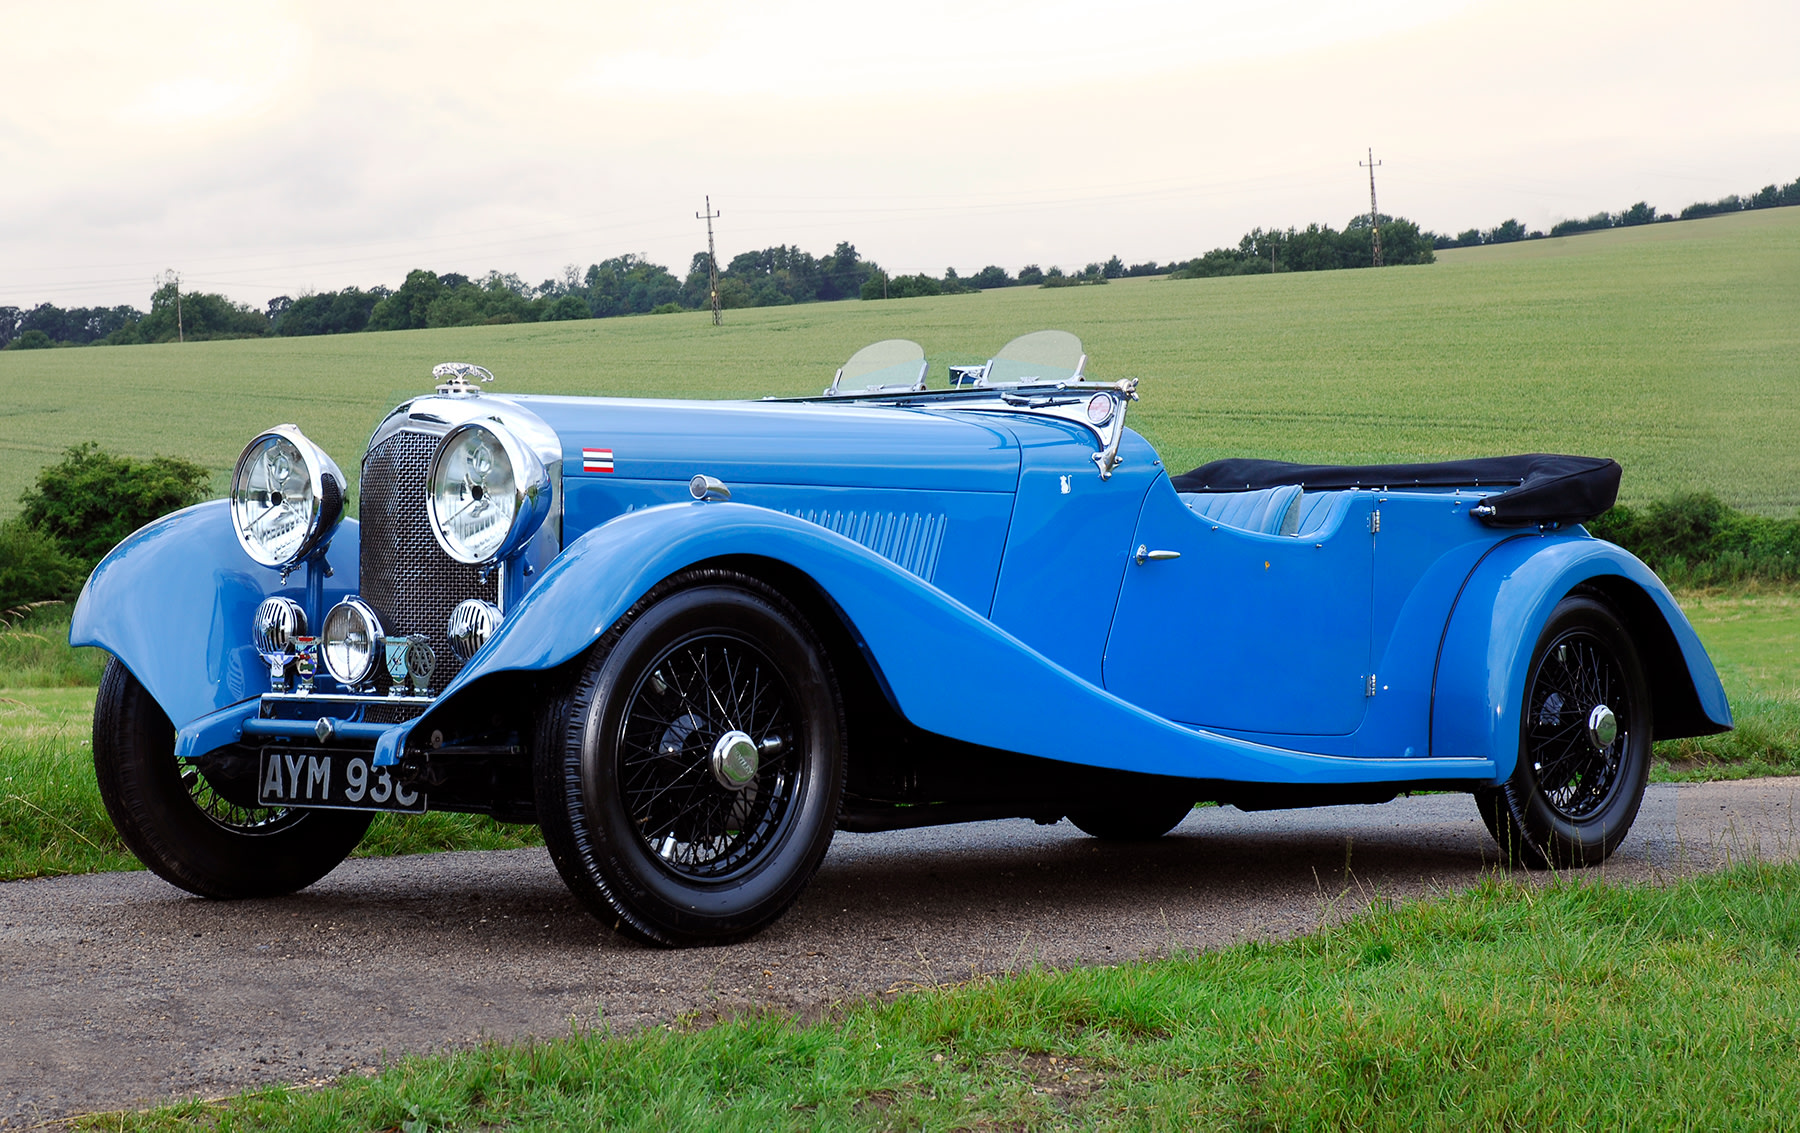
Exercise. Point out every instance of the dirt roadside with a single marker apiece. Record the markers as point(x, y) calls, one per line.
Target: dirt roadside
point(118, 990)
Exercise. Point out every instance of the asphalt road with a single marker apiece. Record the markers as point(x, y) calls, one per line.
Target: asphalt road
point(118, 990)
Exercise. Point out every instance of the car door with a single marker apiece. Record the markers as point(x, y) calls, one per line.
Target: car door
point(1234, 629)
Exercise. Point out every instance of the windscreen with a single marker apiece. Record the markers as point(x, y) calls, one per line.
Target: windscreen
point(1045, 355)
point(890, 362)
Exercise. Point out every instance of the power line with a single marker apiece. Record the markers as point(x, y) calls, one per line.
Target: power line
point(712, 258)
point(1374, 216)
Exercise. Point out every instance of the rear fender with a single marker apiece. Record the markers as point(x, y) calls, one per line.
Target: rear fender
point(173, 603)
point(1482, 665)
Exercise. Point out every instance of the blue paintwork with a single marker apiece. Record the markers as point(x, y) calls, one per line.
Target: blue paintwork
point(925, 644)
point(803, 444)
point(1259, 633)
point(1496, 623)
point(173, 602)
point(987, 572)
point(1067, 552)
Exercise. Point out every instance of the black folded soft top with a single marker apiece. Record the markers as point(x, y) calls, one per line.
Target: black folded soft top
point(1537, 487)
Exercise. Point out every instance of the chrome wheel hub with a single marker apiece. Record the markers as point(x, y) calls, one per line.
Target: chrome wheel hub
point(734, 760)
point(1602, 727)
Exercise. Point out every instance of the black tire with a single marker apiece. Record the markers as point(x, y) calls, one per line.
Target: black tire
point(636, 805)
point(1143, 820)
point(182, 824)
point(1572, 797)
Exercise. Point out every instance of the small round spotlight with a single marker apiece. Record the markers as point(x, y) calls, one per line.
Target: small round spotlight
point(277, 623)
point(352, 641)
point(471, 624)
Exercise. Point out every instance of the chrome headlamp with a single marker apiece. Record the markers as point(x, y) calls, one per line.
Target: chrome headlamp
point(287, 497)
point(488, 493)
point(353, 642)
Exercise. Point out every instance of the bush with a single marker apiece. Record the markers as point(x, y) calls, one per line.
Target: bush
point(31, 340)
point(1696, 540)
point(91, 499)
point(33, 567)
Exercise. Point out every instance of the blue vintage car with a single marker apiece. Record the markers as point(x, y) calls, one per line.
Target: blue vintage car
point(692, 640)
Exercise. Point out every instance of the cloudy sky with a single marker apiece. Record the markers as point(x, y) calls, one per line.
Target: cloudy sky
point(274, 148)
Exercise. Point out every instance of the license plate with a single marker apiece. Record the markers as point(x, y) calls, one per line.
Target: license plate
point(333, 779)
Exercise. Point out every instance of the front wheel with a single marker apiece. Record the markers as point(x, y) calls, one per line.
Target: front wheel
point(688, 783)
point(195, 824)
point(1584, 744)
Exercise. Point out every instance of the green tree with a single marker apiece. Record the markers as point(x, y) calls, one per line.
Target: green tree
point(90, 500)
point(191, 316)
point(1507, 232)
point(409, 307)
point(568, 307)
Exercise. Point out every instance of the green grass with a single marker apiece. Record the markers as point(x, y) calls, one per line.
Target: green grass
point(1577, 1006)
point(1754, 640)
point(1673, 348)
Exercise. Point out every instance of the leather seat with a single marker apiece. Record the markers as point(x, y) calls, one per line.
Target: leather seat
point(1267, 511)
point(1284, 510)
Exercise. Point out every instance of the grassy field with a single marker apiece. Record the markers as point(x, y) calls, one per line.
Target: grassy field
point(1508, 1007)
point(1674, 348)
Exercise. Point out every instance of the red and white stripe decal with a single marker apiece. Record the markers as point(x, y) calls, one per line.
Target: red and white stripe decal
point(596, 460)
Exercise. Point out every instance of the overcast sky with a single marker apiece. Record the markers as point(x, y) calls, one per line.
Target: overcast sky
point(274, 148)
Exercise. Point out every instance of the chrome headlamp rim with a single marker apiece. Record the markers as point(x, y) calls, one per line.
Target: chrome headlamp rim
point(327, 502)
point(531, 491)
point(376, 646)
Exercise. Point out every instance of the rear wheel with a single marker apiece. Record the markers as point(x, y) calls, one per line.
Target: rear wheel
point(688, 783)
point(188, 822)
point(1584, 744)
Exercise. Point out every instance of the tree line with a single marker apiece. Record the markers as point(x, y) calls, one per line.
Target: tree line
point(775, 276)
point(1769, 196)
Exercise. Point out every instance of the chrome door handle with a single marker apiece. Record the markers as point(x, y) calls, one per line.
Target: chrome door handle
point(1145, 554)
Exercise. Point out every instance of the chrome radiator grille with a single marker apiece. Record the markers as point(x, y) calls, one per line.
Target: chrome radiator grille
point(406, 576)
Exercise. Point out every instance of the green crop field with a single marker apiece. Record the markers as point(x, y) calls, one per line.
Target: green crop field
point(1674, 348)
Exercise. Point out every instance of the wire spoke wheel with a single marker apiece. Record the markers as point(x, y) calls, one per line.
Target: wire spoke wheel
point(227, 815)
point(697, 822)
point(688, 780)
point(1584, 743)
point(1578, 680)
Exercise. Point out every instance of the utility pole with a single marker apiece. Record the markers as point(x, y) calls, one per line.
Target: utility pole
point(1374, 216)
point(712, 258)
point(174, 277)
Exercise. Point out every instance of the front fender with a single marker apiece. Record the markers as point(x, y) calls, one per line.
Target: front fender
point(173, 603)
point(949, 670)
point(1479, 679)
